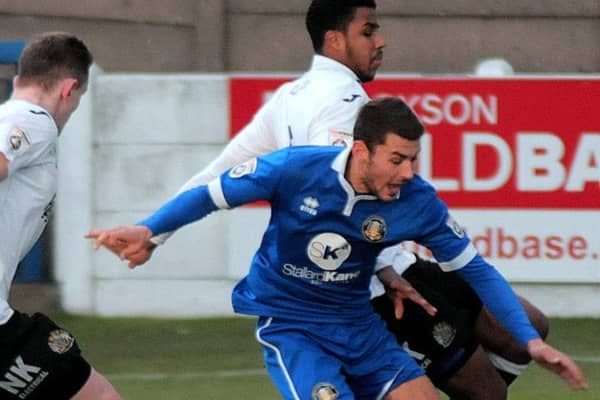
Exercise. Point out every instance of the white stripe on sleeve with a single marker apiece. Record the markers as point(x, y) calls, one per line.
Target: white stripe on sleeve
point(216, 193)
point(461, 260)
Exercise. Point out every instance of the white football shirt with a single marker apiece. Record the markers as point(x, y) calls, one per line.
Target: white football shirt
point(318, 108)
point(28, 136)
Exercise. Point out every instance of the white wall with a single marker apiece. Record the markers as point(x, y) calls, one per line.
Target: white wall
point(132, 143)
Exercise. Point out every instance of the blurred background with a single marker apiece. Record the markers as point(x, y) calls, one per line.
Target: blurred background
point(538, 36)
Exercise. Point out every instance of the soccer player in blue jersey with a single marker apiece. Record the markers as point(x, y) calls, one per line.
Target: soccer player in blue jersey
point(332, 212)
point(472, 357)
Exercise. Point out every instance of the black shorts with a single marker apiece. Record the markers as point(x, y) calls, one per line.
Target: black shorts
point(39, 360)
point(441, 344)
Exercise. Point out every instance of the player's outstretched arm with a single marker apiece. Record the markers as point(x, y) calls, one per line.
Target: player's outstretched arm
point(188, 207)
point(557, 362)
point(252, 141)
point(128, 241)
point(498, 296)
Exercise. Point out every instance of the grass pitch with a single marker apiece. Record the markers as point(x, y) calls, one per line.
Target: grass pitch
point(218, 358)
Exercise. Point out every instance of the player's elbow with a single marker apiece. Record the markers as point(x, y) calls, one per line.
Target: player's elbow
point(541, 323)
point(537, 318)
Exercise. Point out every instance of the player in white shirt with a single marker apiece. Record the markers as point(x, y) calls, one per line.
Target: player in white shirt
point(38, 359)
point(320, 108)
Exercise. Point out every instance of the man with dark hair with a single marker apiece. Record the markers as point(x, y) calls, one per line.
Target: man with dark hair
point(333, 18)
point(308, 283)
point(320, 108)
point(38, 359)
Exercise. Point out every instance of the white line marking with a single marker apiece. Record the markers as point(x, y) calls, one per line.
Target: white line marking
point(140, 376)
point(184, 376)
point(587, 359)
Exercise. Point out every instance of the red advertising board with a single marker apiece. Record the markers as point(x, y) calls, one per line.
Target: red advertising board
point(514, 143)
point(516, 159)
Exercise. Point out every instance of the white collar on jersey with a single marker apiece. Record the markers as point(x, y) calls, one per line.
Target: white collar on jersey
point(33, 108)
point(339, 165)
point(322, 63)
point(341, 160)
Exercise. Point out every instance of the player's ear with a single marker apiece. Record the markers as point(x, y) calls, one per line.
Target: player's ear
point(360, 150)
point(67, 87)
point(335, 40)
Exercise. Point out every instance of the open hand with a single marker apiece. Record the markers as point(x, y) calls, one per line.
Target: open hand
point(557, 362)
point(399, 289)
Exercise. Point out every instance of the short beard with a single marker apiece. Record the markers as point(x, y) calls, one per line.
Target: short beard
point(366, 181)
point(365, 78)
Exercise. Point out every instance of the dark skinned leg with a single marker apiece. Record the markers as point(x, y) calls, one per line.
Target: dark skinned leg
point(494, 338)
point(478, 379)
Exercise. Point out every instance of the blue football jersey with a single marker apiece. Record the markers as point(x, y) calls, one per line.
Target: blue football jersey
point(317, 255)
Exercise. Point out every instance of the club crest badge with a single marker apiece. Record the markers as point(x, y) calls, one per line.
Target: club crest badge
point(374, 228)
point(324, 391)
point(444, 333)
point(339, 138)
point(455, 226)
point(18, 140)
point(60, 341)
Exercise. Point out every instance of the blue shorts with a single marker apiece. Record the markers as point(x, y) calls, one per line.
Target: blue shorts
point(319, 361)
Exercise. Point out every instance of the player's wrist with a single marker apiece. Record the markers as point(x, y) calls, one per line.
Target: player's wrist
point(535, 345)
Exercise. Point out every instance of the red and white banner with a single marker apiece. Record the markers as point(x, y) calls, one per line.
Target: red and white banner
point(517, 160)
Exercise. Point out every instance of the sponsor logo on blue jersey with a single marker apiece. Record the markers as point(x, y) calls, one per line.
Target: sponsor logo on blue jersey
point(310, 205)
point(318, 278)
point(328, 250)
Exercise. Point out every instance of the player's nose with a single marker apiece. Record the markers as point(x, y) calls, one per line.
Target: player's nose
point(379, 41)
point(406, 170)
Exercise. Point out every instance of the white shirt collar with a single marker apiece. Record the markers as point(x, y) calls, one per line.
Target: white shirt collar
point(341, 160)
point(323, 63)
point(339, 165)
